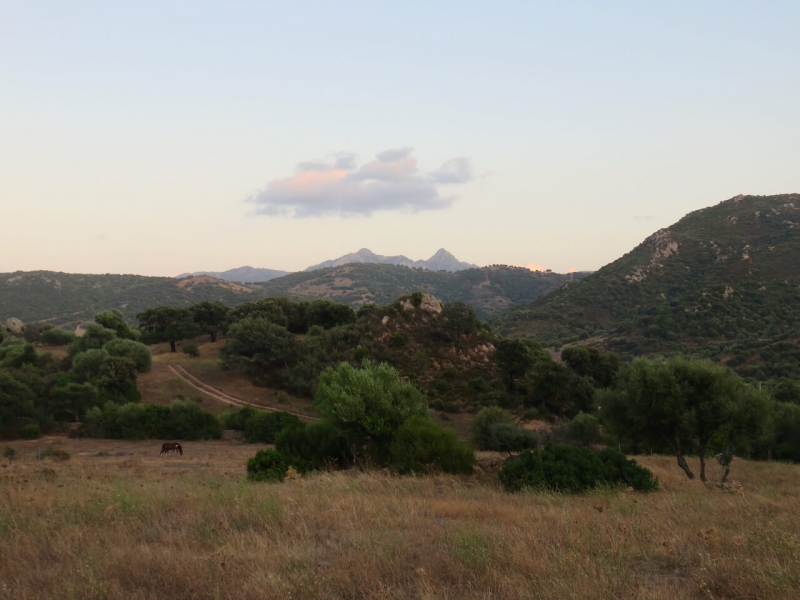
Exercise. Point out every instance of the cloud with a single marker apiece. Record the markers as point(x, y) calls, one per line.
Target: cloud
point(390, 182)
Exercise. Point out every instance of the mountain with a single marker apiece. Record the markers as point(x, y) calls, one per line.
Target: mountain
point(723, 282)
point(66, 299)
point(441, 261)
point(240, 275)
point(488, 289)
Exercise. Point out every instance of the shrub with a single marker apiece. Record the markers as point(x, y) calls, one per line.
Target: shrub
point(569, 469)
point(316, 330)
point(422, 446)
point(262, 427)
point(237, 419)
point(56, 337)
point(267, 465)
point(483, 422)
point(137, 352)
point(398, 340)
point(507, 437)
point(320, 445)
point(584, 429)
point(56, 454)
point(9, 453)
point(182, 420)
point(192, 350)
point(30, 431)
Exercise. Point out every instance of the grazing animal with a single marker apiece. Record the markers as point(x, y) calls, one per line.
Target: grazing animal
point(169, 448)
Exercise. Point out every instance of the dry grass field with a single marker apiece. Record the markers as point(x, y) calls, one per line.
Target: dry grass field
point(117, 521)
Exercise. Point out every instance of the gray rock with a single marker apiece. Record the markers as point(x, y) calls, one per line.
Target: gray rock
point(15, 326)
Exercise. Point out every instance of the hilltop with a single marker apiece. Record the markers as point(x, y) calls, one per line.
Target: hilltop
point(722, 282)
point(240, 275)
point(66, 299)
point(441, 261)
point(488, 290)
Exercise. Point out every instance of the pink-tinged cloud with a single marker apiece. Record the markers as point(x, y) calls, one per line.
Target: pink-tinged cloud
point(391, 182)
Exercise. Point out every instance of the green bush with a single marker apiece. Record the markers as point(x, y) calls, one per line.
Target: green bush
point(237, 419)
point(422, 446)
point(507, 437)
point(482, 425)
point(56, 337)
point(570, 469)
point(262, 427)
point(30, 431)
point(267, 465)
point(137, 352)
point(320, 445)
point(192, 350)
point(584, 429)
point(182, 420)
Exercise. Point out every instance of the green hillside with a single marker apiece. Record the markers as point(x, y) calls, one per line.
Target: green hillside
point(722, 282)
point(488, 290)
point(68, 299)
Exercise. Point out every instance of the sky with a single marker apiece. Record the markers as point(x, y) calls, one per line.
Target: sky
point(164, 137)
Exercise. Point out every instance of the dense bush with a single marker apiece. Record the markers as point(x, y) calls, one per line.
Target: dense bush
point(422, 446)
point(191, 350)
point(56, 336)
point(135, 351)
point(508, 437)
point(483, 423)
point(570, 469)
point(31, 431)
point(584, 429)
point(267, 465)
point(182, 420)
point(262, 426)
point(320, 445)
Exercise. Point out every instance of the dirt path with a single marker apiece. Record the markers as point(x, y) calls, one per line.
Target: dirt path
point(221, 396)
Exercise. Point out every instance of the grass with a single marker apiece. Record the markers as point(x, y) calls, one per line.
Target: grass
point(116, 521)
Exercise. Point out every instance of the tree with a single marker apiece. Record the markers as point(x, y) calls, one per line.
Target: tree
point(459, 320)
point(584, 429)
point(136, 351)
point(268, 308)
point(95, 337)
point(329, 314)
point(72, 400)
point(483, 422)
point(683, 403)
point(116, 380)
point(787, 390)
point(16, 400)
point(113, 319)
point(256, 344)
point(210, 317)
point(587, 361)
point(371, 403)
point(167, 324)
point(515, 358)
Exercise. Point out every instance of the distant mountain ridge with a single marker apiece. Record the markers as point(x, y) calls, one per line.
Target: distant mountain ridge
point(240, 275)
point(723, 282)
point(441, 261)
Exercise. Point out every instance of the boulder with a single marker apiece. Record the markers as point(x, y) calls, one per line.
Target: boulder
point(15, 326)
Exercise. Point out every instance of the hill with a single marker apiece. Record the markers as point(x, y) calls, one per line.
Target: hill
point(441, 261)
point(488, 290)
point(722, 282)
point(66, 299)
point(240, 275)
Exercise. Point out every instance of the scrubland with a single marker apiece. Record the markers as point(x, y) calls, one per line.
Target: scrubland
point(117, 521)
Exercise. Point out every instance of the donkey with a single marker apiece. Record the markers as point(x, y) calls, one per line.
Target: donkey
point(170, 447)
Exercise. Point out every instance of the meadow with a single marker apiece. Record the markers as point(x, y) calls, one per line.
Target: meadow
point(117, 521)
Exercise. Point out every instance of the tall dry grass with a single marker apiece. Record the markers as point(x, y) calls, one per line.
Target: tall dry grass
point(127, 524)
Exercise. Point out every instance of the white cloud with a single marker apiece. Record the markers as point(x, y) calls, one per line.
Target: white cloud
point(390, 182)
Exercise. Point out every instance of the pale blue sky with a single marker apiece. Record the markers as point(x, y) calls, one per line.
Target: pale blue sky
point(148, 137)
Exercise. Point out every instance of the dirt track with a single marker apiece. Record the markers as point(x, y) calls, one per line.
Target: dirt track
point(224, 397)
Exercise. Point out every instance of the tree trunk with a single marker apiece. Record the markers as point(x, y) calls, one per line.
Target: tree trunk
point(213, 336)
point(675, 444)
point(683, 464)
point(701, 453)
point(172, 346)
point(726, 473)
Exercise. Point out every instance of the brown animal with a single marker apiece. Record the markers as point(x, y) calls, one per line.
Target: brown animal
point(169, 448)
